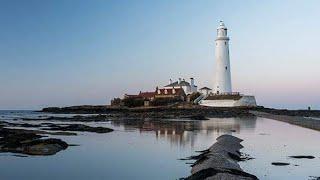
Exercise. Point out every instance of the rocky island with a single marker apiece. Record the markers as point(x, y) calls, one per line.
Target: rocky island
point(304, 118)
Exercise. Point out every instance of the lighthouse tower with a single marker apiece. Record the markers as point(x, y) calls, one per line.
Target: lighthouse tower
point(222, 81)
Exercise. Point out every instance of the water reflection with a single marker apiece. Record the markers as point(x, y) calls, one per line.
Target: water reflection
point(181, 133)
point(135, 145)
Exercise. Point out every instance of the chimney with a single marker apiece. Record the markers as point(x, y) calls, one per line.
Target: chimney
point(179, 80)
point(192, 82)
point(170, 81)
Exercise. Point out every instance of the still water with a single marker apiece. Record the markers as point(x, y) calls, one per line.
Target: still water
point(151, 149)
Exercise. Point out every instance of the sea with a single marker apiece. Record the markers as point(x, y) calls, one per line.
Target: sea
point(153, 149)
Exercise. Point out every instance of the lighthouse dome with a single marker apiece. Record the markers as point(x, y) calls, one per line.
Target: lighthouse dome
point(221, 25)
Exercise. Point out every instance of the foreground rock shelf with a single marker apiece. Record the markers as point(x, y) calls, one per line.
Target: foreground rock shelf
point(220, 161)
point(78, 127)
point(34, 142)
point(28, 142)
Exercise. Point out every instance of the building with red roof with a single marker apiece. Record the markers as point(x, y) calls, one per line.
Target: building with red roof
point(171, 93)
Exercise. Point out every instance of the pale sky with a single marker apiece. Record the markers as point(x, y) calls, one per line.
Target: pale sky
point(61, 53)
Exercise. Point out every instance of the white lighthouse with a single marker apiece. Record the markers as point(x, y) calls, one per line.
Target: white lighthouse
point(222, 83)
point(222, 95)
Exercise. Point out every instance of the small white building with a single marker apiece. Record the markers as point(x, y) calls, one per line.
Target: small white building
point(188, 88)
point(205, 91)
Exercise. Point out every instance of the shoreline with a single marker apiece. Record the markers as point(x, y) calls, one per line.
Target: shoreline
point(302, 118)
point(295, 120)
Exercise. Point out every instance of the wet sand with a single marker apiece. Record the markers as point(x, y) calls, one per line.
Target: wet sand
point(307, 122)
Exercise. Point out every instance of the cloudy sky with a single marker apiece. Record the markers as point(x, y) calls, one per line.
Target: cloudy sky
point(59, 53)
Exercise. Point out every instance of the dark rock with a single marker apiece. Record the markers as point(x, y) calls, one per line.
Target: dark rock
point(193, 112)
point(93, 118)
point(197, 117)
point(314, 177)
point(302, 157)
point(74, 145)
point(220, 161)
point(44, 146)
point(6, 124)
point(245, 157)
point(218, 174)
point(79, 127)
point(19, 155)
point(280, 164)
point(27, 142)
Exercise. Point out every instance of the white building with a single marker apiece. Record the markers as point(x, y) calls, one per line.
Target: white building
point(222, 95)
point(205, 91)
point(188, 88)
point(222, 79)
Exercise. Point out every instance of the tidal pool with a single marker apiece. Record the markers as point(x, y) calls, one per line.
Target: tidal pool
point(151, 150)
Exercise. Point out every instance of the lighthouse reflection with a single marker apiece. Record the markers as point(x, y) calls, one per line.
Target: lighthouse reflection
point(182, 133)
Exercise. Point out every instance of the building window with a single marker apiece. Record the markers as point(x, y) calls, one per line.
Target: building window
point(225, 43)
point(226, 68)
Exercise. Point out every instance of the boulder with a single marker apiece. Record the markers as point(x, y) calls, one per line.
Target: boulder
point(44, 146)
point(220, 161)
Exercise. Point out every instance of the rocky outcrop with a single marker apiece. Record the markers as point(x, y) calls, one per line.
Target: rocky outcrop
point(27, 142)
point(220, 161)
point(280, 163)
point(165, 112)
point(78, 127)
point(302, 157)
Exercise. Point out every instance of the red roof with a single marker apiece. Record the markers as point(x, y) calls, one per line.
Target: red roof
point(131, 96)
point(175, 91)
point(147, 94)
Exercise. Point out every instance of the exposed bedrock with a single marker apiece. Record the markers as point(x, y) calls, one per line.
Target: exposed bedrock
point(193, 112)
point(220, 161)
point(78, 127)
point(27, 142)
